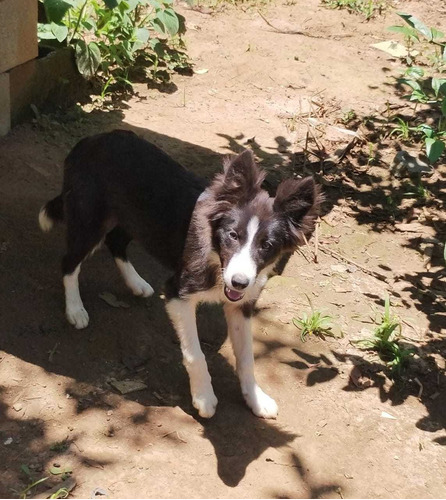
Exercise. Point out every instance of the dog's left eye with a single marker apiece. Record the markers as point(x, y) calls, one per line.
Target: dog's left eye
point(266, 245)
point(233, 235)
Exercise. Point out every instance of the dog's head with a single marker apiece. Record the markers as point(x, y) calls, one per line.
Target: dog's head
point(251, 229)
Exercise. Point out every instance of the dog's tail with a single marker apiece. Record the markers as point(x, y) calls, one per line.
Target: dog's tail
point(50, 213)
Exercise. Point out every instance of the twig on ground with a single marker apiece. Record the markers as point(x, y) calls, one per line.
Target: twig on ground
point(411, 326)
point(306, 149)
point(347, 150)
point(316, 240)
point(298, 32)
point(322, 156)
point(177, 434)
point(309, 248)
point(282, 464)
point(337, 255)
point(303, 254)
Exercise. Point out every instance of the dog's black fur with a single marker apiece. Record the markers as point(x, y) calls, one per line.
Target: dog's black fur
point(118, 187)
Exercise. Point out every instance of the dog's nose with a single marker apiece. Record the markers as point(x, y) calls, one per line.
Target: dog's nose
point(240, 281)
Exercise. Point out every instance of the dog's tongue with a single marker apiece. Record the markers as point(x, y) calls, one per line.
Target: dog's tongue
point(233, 294)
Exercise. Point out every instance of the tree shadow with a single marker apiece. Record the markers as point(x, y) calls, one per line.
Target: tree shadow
point(377, 195)
point(311, 488)
point(375, 201)
point(25, 453)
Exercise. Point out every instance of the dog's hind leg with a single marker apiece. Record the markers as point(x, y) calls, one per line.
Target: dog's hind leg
point(117, 240)
point(74, 308)
point(82, 240)
point(182, 315)
point(239, 330)
point(78, 248)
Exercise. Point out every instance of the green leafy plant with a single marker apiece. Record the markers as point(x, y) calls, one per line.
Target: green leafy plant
point(434, 139)
point(60, 446)
point(348, 116)
point(315, 323)
point(32, 482)
point(117, 39)
point(385, 341)
point(428, 86)
point(416, 32)
point(368, 8)
point(417, 191)
point(402, 130)
point(60, 493)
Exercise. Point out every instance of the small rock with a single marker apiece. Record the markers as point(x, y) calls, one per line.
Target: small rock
point(8, 441)
point(384, 414)
point(339, 268)
point(98, 493)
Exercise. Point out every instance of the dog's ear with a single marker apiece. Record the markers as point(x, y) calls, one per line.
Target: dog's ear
point(298, 202)
point(241, 179)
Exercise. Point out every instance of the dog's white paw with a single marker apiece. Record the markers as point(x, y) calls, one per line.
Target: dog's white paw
point(77, 316)
point(261, 404)
point(140, 287)
point(205, 404)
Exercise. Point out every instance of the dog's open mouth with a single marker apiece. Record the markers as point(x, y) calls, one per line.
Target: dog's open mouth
point(233, 295)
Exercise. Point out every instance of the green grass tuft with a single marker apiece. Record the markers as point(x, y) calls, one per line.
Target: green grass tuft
point(368, 8)
point(315, 323)
point(385, 341)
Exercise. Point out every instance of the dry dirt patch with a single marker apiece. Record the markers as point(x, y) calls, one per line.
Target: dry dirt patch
point(332, 438)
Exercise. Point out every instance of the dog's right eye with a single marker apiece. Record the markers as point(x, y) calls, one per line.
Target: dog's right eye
point(233, 235)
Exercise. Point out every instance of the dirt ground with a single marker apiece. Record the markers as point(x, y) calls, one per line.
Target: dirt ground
point(344, 429)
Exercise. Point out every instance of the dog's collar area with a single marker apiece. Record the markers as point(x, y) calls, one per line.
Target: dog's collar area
point(233, 295)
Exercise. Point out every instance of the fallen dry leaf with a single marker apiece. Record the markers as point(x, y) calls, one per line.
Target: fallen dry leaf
point(395, 49)
point(112, 300)
point(127, 386)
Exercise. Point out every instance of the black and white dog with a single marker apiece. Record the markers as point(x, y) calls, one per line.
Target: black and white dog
point(221, 241)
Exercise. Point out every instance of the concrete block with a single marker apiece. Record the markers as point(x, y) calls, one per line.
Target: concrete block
point(5, 107)
point(49, 83)
point(18, 32)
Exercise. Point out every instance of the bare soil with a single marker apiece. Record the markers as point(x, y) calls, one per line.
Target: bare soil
point(333, 437)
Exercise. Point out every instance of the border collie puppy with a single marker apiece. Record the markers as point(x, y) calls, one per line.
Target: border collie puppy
point(220, 241)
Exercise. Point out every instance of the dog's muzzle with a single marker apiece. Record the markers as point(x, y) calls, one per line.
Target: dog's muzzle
point(233, 295)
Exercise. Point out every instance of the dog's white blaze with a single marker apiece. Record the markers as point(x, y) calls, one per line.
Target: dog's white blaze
point(242, 262)
point(182, 315)
point(133, 280)
point(239, 330)
point(74, 308)
point(45, 222)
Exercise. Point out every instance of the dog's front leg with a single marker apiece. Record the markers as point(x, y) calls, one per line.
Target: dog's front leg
point(182, 315)
point(239, 330)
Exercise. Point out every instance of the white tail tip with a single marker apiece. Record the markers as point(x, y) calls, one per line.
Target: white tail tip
point(46, 224)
